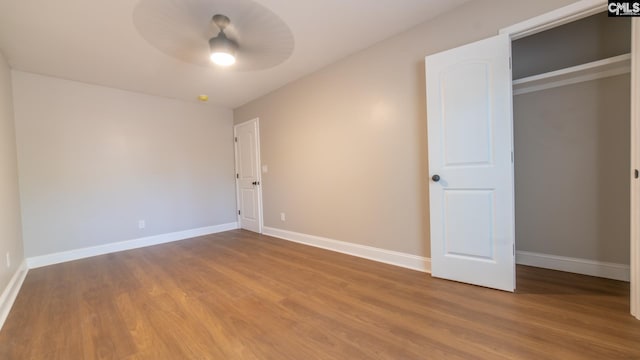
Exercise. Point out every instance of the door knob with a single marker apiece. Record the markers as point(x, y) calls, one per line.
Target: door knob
point(435, 178)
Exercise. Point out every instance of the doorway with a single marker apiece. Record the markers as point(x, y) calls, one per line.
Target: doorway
point(569, 14)
point(248, 181)
point(571, 112)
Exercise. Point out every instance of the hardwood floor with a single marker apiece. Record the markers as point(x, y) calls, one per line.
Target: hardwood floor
point(239, 295)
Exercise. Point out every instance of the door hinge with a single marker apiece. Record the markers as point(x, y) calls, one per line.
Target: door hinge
point(238, 212)
point(512, 157)
point(636, 173)
point(509, 62)
point(237, 176)
point(235, 139)
point(513, 246)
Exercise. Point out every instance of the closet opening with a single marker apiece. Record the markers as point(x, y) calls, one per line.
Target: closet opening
point(571, 131)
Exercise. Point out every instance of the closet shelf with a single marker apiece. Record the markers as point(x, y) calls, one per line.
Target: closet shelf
point(612, 66)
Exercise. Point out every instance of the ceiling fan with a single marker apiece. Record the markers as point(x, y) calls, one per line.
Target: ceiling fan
point(223, 49)
point(201, 32)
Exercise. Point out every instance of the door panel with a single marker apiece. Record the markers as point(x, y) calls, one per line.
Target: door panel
point(470, 149)
point(249, 205)
point(246, 142)
point(474, 209)
point(468, 81)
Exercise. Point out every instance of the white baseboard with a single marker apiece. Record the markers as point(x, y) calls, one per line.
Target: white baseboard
point(64, 256)
point(396, 258)
point(10, 293)
point(574, 265)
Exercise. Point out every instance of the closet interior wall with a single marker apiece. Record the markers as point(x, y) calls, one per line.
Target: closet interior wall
point(572, 147)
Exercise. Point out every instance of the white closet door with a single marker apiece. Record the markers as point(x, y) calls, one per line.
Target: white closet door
point(469, 109)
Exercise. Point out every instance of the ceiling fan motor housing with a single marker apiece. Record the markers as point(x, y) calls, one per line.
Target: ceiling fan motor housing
point(222, 43)
point(221, 21)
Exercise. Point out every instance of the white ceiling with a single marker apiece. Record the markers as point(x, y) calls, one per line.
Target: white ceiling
point(96, 42)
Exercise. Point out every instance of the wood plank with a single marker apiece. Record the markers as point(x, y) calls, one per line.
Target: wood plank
point(240, 295)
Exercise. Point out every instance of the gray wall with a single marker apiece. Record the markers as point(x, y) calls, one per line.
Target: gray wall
point(346, 147)
point(10, 226)
point(593, 38)
point(95, 160)
point(572, 170)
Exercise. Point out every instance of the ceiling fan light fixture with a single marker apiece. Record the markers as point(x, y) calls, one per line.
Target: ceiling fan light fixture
point(223, 58)
point(223, 49)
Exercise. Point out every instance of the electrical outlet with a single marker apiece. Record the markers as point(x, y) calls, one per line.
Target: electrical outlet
point(283, 217)
point(8, 260)
point(141, 224)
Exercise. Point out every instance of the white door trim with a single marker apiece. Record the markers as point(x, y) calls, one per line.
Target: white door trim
point(258, 171)
point(560, 16)
point(635, 164)
point(571, 13)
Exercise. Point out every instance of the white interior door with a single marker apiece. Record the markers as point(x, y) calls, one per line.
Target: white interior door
point(249, 194)
point(469, 109)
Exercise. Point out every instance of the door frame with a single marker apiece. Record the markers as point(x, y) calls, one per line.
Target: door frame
point(567, 14)
point(258, 171)
point(635, 164)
